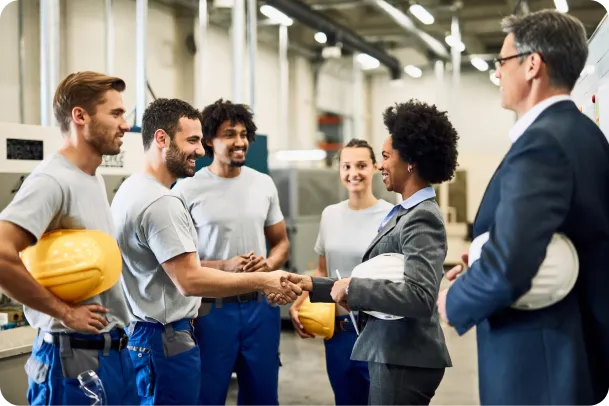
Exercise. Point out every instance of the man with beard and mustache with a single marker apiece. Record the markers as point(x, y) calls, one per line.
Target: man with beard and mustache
point(65, 192)
point(236, 211)
point(162, 273)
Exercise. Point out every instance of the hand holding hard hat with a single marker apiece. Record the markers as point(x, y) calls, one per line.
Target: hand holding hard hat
point(554, 279)
point(318, 318)
point(74, 265)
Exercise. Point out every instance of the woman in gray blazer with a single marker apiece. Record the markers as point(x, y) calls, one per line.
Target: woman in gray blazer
point(406, 357)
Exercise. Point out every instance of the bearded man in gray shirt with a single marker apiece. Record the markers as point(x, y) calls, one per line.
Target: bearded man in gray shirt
point(163, 277)
point(65, 192)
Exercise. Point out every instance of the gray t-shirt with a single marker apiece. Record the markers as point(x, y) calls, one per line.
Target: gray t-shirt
point(152, 227)
point(345, 234)
point(230, 214)
point(58, 195)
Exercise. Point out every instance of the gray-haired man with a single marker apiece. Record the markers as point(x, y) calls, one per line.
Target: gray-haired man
point(554, 179)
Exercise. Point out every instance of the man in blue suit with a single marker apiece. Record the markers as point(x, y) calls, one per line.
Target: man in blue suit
point(555, 178)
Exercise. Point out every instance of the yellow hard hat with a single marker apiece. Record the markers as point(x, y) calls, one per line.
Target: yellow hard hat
point(74, 264)
point(318, 318)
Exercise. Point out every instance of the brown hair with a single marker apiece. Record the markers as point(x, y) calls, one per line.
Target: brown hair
point(82, 89)
point(355, 143)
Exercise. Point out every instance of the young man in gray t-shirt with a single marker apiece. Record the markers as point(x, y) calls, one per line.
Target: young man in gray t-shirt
point(236, 211)
point(162, 274)
point(65, 192)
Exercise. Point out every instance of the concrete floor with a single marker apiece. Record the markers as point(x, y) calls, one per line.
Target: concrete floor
point(303, 379)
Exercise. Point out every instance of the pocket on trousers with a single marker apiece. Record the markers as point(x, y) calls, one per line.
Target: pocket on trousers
point(80, 361)
point(142, 364)
point(181, 341)
point(37, 373)
point(36, 370)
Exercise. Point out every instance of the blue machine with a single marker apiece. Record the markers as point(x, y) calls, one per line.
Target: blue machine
point(257, 156)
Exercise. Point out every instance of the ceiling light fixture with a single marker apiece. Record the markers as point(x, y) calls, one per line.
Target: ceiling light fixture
point(422, 14)
point(479, 64)
point(455, 43)
point(276, 16)
point(413, 71)
point(321, 37)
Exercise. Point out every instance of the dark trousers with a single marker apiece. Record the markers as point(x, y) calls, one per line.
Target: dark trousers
point(402, 385)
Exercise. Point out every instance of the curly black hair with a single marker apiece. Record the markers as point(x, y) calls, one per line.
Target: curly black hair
point(217, 113)
point(423, 137)
point(165, 114)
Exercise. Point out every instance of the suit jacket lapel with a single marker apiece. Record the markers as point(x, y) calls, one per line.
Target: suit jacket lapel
point(488, 186)
point(388, 227)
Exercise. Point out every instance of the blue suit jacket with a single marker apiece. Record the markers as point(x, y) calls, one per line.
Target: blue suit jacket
point(555, 178)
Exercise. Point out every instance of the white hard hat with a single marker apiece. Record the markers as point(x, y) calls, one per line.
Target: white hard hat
point(389, 266)
point(555, 278)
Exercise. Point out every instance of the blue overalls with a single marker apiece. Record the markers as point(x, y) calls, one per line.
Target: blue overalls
point(167, 362)
point(58, 358)
point(241, 336)
point(349, 379)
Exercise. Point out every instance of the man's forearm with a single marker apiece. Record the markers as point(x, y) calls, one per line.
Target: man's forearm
point(210, 282)
point(278, 255)
point(17, 283)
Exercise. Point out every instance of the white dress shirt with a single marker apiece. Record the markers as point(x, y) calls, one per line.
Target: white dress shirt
point(530, 116)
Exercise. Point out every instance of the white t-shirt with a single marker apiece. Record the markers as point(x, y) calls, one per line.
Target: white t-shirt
point(345, 234)
point(230, 214)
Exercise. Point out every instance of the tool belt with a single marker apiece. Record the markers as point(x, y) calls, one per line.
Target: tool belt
point(232, 299)
point(88, 344)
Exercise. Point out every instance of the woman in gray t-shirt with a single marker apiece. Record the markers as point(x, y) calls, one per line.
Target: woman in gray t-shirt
point(346, 230)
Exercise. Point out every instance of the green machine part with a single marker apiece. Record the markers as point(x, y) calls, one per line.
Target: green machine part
point(257, 156)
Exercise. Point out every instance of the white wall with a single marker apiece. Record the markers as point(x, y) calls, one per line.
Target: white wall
point(481, 123)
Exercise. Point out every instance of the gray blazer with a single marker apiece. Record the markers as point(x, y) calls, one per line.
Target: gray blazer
point(416, 340)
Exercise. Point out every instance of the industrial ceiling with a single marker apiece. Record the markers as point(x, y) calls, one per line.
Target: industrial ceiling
point(392, 25)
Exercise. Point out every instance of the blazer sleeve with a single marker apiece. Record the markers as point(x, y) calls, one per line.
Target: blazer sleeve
point(321, 290)
point(536, 188)
point(423, 243)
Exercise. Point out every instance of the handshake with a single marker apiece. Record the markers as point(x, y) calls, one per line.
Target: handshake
point(282, 287)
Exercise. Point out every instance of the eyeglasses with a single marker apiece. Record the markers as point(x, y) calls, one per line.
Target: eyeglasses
point(500, 61)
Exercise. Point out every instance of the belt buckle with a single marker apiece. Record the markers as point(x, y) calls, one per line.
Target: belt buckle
point(123, 342)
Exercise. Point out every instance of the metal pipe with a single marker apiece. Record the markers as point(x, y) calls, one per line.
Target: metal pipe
point(406, 22)
point(252, 31)
point(300, 11)
point(140, 60)
point(21, 48)
point(283, 80)
point(358, 99)
point(456, 51)
point(49, 58)
point(109, 27)
point(201, 26)
point(238, 37)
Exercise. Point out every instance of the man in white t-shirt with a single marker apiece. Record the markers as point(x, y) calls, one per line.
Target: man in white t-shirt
point(236, 212)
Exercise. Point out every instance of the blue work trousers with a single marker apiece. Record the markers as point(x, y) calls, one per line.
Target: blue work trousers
point(53, 370)
point(167, 362)
point(349, 379)
point(241, 337)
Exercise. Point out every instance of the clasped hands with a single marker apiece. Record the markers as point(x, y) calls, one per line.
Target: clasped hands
point(296, 283)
